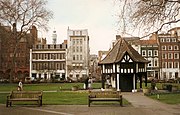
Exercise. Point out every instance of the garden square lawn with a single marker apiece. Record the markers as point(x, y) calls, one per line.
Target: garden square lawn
point(173, 98)
point(54, 94)
point(65, 98)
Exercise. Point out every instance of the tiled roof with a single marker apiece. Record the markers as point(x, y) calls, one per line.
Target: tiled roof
point(117, 53)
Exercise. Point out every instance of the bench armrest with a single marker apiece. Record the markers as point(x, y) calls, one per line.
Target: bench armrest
point(120, 96)
point(9, 96)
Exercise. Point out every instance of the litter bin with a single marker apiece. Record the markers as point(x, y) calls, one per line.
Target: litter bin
point(169, 88)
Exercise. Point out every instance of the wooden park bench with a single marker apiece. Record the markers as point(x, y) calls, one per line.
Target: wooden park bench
point(104, 96)
point(24, 96)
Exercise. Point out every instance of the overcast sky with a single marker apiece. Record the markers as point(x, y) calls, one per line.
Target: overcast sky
point(98, 16)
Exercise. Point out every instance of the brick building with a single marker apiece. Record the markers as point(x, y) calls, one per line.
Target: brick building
point(8, 44)
point(169, 56)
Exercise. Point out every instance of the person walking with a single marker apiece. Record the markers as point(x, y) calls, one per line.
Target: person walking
point(20, 86)
point(153, 84)
point(86, 83)
point(90, 83)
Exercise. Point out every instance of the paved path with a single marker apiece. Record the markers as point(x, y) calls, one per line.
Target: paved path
point(141, 105)
point(153, 107)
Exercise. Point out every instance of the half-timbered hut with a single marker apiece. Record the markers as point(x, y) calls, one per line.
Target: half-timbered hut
point(123, 66)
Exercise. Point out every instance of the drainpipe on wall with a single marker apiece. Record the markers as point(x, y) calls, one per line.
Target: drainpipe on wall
point(30, 64)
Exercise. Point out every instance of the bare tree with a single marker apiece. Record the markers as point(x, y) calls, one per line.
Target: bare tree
point(152, 15)
point(24, 14)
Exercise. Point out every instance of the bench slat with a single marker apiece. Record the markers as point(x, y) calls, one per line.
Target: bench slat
point(24, 99)
point(104, 99)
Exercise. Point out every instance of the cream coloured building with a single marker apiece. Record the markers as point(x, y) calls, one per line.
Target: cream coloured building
point(77, 60)
point(48, 62)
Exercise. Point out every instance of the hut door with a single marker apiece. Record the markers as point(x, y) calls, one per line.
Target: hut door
point(126, 82)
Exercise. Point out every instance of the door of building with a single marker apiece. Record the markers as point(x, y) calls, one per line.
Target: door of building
point(126, 82)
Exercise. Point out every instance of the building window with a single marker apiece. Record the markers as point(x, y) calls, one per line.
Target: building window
point(170, 56)
point(176, 65)
point(143, 52)
point(59, 56)
point(60, 45)
point(155, 52)
point(57, 66)
point(173, 39)
point(170, 75)
point(150, 64)
point(149, 52)
point(49, 46)
point(77, 57)
point(33, 56)
point(80, 57)
point(168, 40)
point(80, 33)
point(163, 47)
point(176, 47)
point(169, 47)
point(77, 49)
point(64, 56)
point(77, 41)
point(34, 66)
point(170, 65)
point(40, 56)
point(176, 56)
point(155, 62)
point(163, 56)
point(73, 48)
point(63, 66)
point(162, 39)
point(164, 75)
point(80, 41)
point(52, 56)
point(74, 42)
point(80, 48)
point(164, 65)
point(74, 58)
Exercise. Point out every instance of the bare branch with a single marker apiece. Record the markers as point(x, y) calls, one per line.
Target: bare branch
point(152, 15)
point(24, 14)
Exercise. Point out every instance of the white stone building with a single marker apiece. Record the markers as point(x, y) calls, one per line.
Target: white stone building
point(77, 60)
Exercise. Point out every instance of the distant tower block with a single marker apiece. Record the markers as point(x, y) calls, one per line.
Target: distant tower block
point(54, 37)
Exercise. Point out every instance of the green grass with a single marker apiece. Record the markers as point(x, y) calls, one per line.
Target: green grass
point(46, 86)
point(3, 97)
point(168, 98)
point(63, 86)
point(158, 85)
point(65, 98)
point(62, 96)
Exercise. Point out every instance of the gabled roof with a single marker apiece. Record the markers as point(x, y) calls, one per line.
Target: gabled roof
point(117, 53)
